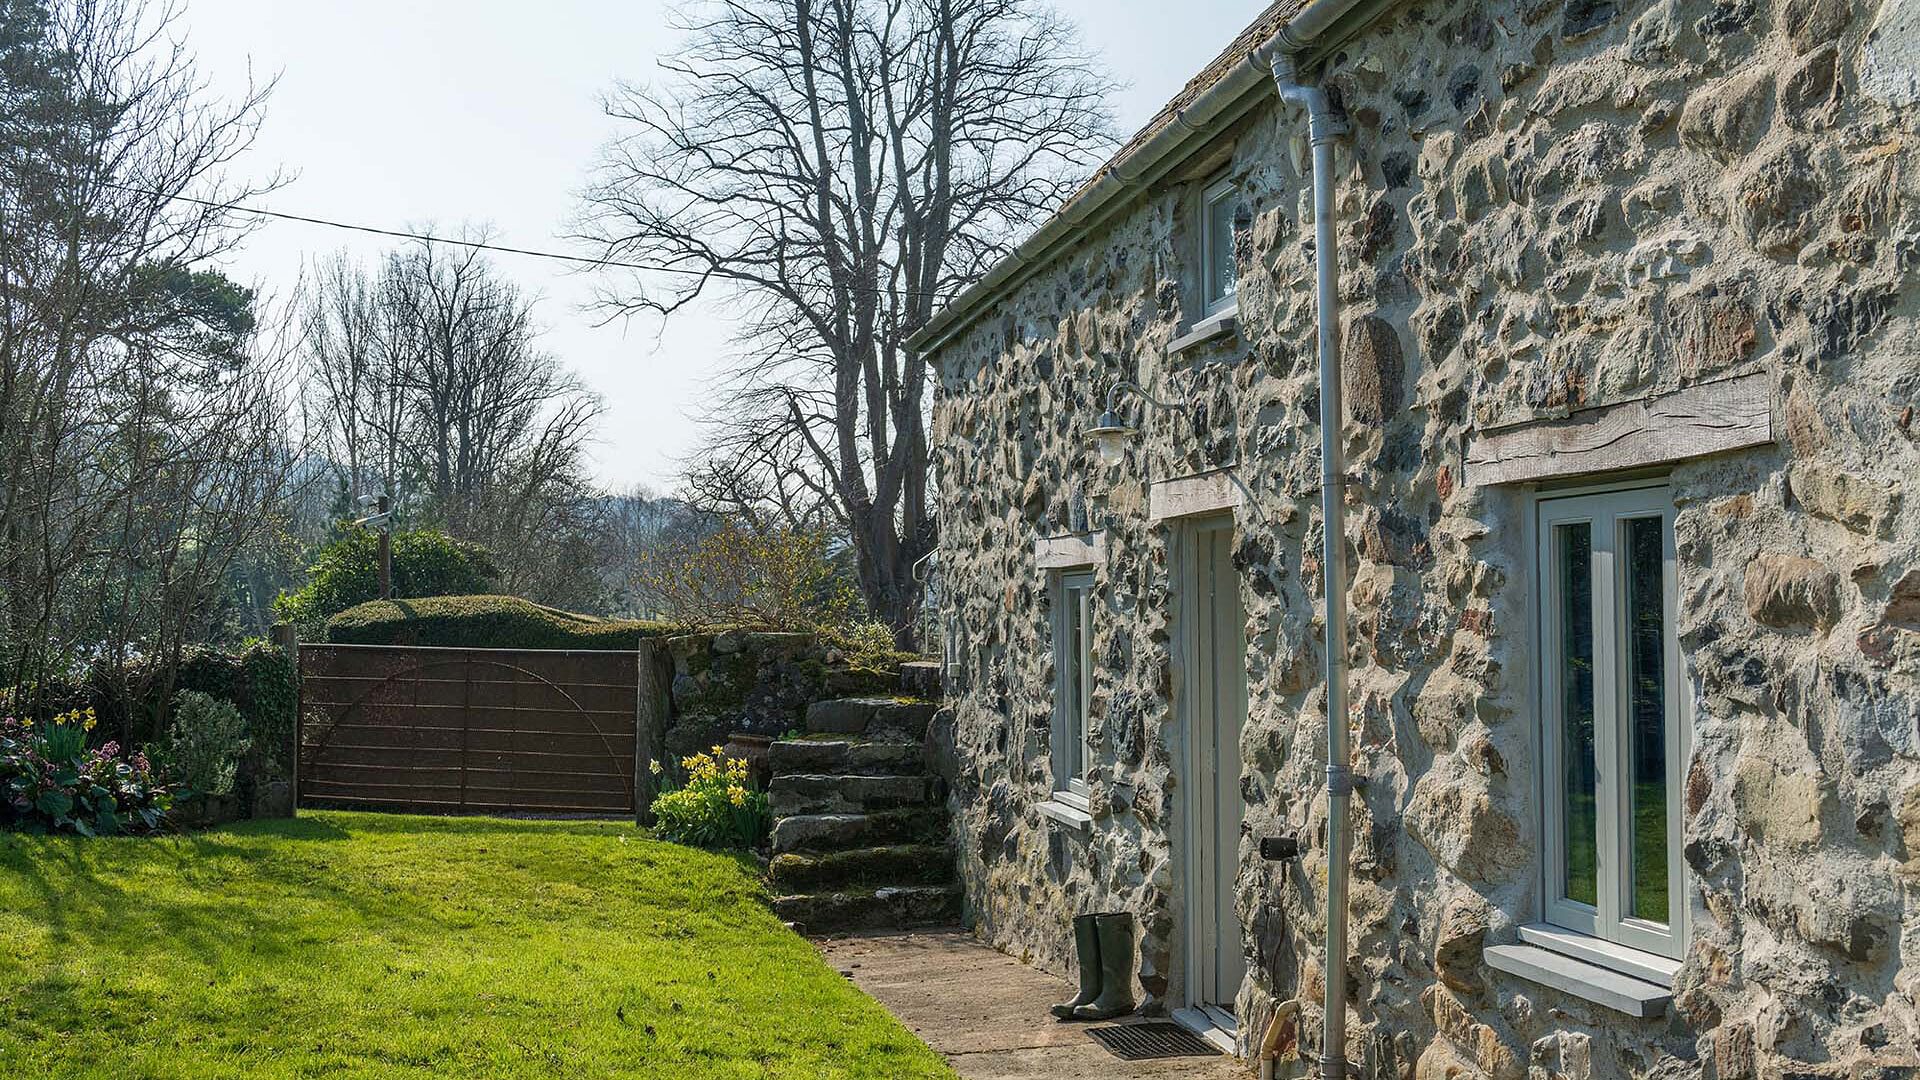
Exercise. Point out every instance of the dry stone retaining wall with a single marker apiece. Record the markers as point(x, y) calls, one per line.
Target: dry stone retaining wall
point(1544, 207)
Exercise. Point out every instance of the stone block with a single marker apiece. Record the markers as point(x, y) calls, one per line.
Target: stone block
point(1456, 952)
point(870, 715)
point(1455, 818)
point(1728, 117)
point(811, 794)
point(1861, 504)
point(1775, 807)
point(921, 679)
point(902, 864)
point(846, 757)
point(836, 832)
point(1812, 23)
point(1903, 604)
point(889, 908)
point(841, 716)
point(1374, 369)
point(1788, 591)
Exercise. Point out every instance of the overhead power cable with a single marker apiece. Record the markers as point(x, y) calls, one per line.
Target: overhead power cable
point(401, 234)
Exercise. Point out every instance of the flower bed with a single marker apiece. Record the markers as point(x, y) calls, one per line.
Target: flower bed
point(51, 783)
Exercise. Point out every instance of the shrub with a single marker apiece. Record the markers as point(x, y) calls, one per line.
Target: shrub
point(201, 752)
point(50, 782)
point(867, 645)
point(426, 562)
point(262, 682)
point(716, 808)
point(735, 577)
point(483, 622)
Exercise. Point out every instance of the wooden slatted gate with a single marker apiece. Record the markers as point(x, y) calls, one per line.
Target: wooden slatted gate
point(480, 730)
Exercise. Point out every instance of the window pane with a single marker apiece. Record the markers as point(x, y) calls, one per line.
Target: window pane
point(1074, 685)
point(1647, 715)
point(1221, 278)
point(1574, 562)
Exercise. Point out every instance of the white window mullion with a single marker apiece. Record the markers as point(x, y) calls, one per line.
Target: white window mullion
point(1609, 756)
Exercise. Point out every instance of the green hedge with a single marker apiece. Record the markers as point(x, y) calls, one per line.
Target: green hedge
point(483, 622)
point(262, 683)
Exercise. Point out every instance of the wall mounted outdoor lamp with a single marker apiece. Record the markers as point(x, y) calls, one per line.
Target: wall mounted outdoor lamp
point(1111, 432)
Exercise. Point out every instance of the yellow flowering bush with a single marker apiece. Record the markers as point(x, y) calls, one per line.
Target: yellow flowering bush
point(717, 807)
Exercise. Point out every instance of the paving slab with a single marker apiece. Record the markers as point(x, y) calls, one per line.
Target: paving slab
point(986, 1012)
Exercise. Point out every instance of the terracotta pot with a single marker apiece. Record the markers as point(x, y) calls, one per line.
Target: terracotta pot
point(751, 749)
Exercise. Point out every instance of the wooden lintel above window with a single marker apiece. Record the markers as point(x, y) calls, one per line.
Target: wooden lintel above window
point(1190, 496)
point(1710, 418)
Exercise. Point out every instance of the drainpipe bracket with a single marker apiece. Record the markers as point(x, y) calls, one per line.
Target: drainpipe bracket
point(1326, 127)
point(1339, 780)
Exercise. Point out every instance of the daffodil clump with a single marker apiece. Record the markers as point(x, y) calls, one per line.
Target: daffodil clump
point(717, 807)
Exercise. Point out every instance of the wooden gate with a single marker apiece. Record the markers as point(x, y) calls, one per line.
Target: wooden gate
point(481, 730)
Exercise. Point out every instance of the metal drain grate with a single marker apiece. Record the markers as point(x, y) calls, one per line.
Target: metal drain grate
point(1147, 1042)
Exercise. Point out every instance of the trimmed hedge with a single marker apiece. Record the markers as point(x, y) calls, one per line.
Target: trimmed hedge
point(484, 622)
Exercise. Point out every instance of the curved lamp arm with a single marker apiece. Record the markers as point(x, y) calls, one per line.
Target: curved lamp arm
point(1114, 392)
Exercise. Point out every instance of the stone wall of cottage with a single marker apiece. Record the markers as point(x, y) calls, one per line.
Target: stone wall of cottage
point(1544, 206)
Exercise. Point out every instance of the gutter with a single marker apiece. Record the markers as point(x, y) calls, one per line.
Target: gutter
point(1313, 32)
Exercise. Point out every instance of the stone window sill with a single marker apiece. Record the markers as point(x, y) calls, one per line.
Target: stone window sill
point(1633, 963)
point(1064, 813)
point(1589, 982)
point(1218, 325)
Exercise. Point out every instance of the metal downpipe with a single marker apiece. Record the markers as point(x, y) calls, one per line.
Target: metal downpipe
point(1324, 130)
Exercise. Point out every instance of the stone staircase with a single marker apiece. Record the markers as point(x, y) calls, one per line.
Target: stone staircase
point(860, 836)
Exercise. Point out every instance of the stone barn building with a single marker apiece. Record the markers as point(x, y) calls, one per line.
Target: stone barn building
point(1628, 355)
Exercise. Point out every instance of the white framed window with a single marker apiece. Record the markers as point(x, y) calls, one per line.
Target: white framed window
point(1218, 275)
point(1072, 682)
point(1613, 735)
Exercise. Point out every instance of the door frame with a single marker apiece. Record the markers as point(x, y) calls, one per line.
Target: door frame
point(1197, 920)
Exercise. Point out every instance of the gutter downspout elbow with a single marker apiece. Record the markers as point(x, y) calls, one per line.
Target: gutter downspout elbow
point(1325, 129)
point(1286, 1017)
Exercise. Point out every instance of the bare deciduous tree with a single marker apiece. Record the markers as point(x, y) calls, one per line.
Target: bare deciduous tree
point(839, 168)
point(142, 441)
point(428, 383)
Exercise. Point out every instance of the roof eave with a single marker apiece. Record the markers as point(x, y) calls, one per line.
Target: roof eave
point(1211, 112)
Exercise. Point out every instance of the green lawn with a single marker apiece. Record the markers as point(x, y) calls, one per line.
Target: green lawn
point(359, 945)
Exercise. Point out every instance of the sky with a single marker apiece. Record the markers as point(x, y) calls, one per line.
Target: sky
point(412, 114)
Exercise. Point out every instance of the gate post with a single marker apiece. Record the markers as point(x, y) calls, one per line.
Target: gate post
point(653, 704)
point(287, 638)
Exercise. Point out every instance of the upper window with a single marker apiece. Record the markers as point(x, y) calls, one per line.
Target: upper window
point(1073, 680)
point(1220, 276)
point(1613, 719)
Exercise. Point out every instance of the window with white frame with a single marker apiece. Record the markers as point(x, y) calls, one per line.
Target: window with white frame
point(1614, 732)
point(1219, 275)
point(1073, 681)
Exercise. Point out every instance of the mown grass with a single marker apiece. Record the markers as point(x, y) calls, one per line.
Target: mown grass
point(358, 945)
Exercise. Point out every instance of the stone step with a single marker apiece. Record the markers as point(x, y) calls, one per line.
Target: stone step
point(845, 757)
point(814, 793)
point(899, 864)
point(839, 832)
point(895, 907)
point(900, 718)
point(922, 679)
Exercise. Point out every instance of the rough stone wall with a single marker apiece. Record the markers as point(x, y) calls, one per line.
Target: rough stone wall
point(754, 683)
point(1545, 206)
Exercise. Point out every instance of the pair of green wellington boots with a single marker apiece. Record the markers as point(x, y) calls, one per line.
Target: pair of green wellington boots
point(1105, 945)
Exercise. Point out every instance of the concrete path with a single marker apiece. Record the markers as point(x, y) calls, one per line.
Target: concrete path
point(987, 1012)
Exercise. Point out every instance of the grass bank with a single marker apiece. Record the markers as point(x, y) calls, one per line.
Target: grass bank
point(357, 945)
